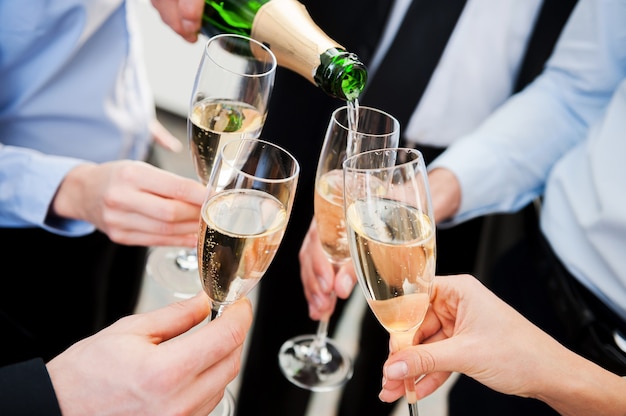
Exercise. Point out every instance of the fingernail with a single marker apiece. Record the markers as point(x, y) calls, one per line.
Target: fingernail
point(346, 282)
point(317, 301)
point(188, 26)
point(397, 370)
point(175, 146)
point(323, 284)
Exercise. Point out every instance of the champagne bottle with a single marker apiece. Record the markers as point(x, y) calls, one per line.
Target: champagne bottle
point(298, 43)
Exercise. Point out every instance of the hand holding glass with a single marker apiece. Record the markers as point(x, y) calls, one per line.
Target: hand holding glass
point(391, 231)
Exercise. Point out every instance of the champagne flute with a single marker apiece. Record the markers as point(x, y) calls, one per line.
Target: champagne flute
point(229, 100)
point(243, 219)
point(314, 361)
point(248, 202)
point(391, 230)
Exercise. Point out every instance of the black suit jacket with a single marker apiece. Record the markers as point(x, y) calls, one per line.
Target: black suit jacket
point(26, 389)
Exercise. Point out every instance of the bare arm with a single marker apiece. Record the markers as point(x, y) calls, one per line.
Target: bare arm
point(471, 331)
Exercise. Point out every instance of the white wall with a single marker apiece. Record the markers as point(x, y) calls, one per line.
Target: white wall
point(170, 60)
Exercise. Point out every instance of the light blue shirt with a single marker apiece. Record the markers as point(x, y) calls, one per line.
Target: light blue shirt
point(72, 89)
point(563, 137)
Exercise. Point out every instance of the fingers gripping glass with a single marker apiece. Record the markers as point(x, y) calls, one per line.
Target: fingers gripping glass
point(391, 233)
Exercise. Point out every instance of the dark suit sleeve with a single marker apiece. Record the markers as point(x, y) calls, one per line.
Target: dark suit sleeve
point(26, 389)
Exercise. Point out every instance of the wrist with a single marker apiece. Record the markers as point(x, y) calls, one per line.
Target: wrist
point(579, 386)
point(66, 203)
point(445, 192)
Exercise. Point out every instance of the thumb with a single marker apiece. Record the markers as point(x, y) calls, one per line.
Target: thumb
point(445, 355)
point(172, 320)
point(431, 364)
point(346, 279)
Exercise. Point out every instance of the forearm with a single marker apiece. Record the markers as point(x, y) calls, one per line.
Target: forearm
point(503, 165)
point(30, 183)
point(580, 387)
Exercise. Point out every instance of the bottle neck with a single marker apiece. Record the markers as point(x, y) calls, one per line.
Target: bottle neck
point(300, 45)
point(341, 74)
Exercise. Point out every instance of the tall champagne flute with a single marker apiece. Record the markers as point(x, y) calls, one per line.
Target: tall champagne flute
point(243, 219)
point(229, 100)
point(391, 230)
point(314, 361)
point(248, 202)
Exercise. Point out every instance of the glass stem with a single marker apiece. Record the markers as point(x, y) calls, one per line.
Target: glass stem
point(216, 312)
point(320, 336)
point(400, 340)
point(319, 343)
point(409, 388)
point(187, 259)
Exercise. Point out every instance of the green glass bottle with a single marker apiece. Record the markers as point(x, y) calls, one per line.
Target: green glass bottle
point(298, 43)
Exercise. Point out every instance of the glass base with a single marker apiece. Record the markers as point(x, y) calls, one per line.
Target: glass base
point(226, 406)
point(176, 269)
point(324, 372)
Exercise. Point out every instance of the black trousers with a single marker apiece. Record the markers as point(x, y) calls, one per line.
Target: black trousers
point(57, 290)
point(531, 279)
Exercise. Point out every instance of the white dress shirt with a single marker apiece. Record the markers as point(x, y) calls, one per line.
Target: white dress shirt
point(72, 89)
point(564, 137)
point(476, 72)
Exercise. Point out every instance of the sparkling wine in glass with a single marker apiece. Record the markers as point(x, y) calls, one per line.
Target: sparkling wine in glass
point(229, 101)
point(248, 203)
point(391, 232)
point(314, 361)
point(249, 198)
